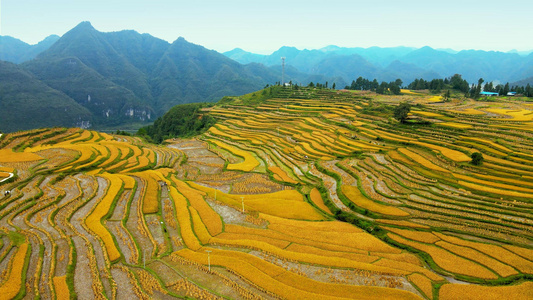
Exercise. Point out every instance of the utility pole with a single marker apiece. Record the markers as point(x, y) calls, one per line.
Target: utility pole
point(283, 71)
point(242, 200)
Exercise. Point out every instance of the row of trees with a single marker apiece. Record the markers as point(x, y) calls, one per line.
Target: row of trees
point(456, 82)
point(320, 85)
point(504, 89)
point(363, 84)
point(435, 85)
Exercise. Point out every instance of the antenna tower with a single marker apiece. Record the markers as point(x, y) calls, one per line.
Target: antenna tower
point(283, 71)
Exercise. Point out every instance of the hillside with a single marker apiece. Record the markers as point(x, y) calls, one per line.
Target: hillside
point(16, 51)
point(293, 193)
point(27, 103)
point(126, 77)
point(127, 80)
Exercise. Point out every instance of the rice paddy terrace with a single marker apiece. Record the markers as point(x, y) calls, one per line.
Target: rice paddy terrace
point(312, 194)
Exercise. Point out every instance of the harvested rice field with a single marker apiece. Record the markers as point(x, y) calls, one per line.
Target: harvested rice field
point(308, 194)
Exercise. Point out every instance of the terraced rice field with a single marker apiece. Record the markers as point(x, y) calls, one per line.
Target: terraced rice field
point(307, 195)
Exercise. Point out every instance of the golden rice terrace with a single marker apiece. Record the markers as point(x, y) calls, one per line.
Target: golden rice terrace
point(312, 194)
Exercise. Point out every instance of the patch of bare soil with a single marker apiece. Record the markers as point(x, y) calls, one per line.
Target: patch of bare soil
point(134, 223)
point(126, 245)
point(342, 276)
point(56, 157)
point(120, 209)
point(125, 289)
point(170, 219)
point(200, 282)
point(62, 257)
point(82, 273)
point(199, 156)
point(78, 219)
point(240, 183)
point(154, 224)
point(5, 263)
point(32, 276)
point(331, 185)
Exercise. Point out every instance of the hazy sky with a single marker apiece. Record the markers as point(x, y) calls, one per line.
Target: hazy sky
point(264, 26)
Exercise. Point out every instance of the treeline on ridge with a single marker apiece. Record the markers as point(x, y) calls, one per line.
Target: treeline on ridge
point(456, 82)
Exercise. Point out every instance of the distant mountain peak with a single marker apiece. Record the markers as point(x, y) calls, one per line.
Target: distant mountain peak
point(84, 25)
point(427, 48)
point(288, 48)
point(53, 37)
point(330, 48)
point(82, 29)
point(236, 50)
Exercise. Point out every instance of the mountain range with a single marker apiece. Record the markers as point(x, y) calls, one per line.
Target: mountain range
point(17, 51)
point(122, 77)
point(89, 78)
point(388, 64)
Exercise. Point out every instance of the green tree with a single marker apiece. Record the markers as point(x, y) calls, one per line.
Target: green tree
point(383, 88)
point(398, 82)
point(333, 86)
point(402, 111)
point(489, 87)
point(505, 89)
point(459, 83)
point(447, 96)
point(477, 89)
point(394, 88)
point(477, 158)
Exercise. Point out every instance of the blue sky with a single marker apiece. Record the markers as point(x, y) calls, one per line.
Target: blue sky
point(264, 26)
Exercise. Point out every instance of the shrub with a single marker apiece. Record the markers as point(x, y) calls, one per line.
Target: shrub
point(477, 158)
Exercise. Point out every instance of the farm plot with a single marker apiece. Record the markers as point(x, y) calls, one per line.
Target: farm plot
point(312, 193)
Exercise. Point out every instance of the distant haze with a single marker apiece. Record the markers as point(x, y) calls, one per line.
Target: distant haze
point(262, 27)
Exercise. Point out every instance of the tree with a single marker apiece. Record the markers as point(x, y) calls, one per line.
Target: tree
point(394, 88)
point(398, 82)
point(505, 89)
point(401, 111)
point(333, 86)
point(447, 96)
point(477, 158)
point(477, 89)
point(489, 87)
point(459, 83)
point(382, 88)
